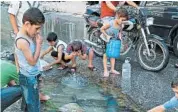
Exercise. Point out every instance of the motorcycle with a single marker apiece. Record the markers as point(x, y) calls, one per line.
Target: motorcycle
point(151, 51)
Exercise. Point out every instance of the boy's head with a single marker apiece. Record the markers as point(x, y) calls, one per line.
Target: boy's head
point(33, 19)
point(174, 86)
point(76, 46)
point(122, 14)
point(51, 38)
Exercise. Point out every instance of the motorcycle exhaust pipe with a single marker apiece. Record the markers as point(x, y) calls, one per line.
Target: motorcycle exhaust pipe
point(92, 43)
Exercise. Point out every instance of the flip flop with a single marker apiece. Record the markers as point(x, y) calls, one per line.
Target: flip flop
point(115, 73)
point(176, 66)
point(62, 67)
point(73, 69)
point(92, 68)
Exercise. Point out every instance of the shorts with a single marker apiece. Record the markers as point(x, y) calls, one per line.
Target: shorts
point(55, 54)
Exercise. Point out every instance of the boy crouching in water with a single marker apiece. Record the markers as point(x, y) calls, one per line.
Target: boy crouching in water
point(58, 48)
point(77, 48)
point(27, 50)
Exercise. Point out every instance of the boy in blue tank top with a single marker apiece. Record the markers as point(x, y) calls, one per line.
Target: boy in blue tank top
point(27, 50)
point(111, 30)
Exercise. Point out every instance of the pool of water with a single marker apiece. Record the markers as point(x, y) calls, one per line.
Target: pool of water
point(84, 95)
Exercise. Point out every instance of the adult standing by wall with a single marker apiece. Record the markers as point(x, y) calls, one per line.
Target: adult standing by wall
point(108, 9)
point(16, 11)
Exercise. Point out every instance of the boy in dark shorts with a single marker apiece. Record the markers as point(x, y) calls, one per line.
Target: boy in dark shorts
point(58, 48)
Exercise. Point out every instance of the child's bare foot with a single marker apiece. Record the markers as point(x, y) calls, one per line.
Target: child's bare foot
point(106, 74)
point(44, 97)
point(114, 72)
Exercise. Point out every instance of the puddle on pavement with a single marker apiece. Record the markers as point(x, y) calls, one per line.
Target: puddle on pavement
point(75, 81)
point(75, 93)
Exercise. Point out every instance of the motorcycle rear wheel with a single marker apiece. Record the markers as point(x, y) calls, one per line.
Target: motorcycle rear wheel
point(159, 57)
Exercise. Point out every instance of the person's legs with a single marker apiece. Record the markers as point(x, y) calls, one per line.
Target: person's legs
point(30, 92)
point(90, 57)
point(54, 54)
point(90, 54)
point(113, 66)
point(106, 74)
point(73, 62)
point(42, 96)
point(60, 51)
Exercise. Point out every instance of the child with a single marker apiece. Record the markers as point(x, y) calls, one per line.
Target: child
point(112, 30)
point(58, 49)
point(9, 75)
point(27, 50)
point(172, 103)
point(77, 48)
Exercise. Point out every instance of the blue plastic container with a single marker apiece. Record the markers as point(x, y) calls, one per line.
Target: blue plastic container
point(113, 48)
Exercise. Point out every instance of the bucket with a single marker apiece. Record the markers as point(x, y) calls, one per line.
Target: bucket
point(113, 48)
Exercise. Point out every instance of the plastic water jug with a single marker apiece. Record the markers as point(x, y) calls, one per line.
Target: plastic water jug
point(113, 48)
point(126, 76)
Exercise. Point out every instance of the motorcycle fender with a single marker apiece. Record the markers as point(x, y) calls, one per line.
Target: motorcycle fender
point(155, 36)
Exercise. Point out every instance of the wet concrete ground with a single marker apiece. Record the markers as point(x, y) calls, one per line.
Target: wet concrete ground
point(148, 88)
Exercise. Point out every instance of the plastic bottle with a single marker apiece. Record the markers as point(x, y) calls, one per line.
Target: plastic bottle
point(126, 76)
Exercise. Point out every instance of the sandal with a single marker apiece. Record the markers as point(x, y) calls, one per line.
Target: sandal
point(115, 72)
point(62, 67)
point(92, 68)
point(176, 66)
point(73, 69)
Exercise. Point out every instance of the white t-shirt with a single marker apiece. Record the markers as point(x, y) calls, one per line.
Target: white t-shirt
point(60, 42)
point(18, 8)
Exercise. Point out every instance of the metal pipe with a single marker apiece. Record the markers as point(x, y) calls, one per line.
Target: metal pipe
point(145, 41)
